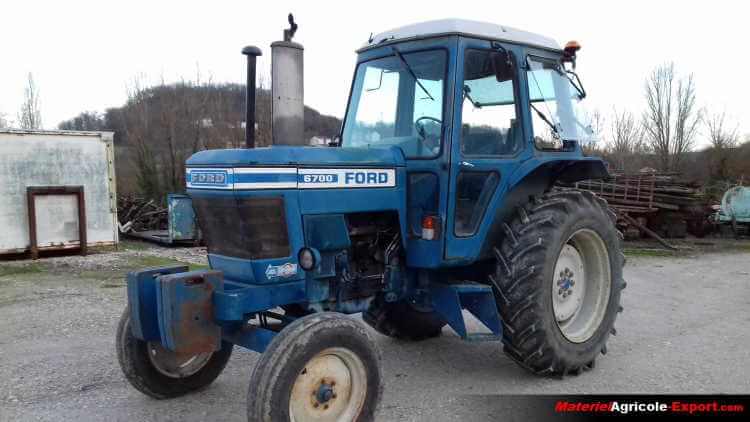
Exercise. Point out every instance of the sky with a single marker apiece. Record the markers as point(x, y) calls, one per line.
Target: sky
point(85, 54)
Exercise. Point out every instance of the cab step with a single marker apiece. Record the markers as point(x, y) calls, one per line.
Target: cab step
point(449, 300)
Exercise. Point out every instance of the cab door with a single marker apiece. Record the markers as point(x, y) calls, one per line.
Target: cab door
point(489, 142)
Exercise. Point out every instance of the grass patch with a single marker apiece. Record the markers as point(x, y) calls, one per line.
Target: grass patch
point(742, 247)
point(132, 245)
point(112, 278)
point(147, 261)
point(6, 270)
point(648, 252)
point(100, 249)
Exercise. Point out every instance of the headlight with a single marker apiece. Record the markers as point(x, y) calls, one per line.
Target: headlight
point(308, 258)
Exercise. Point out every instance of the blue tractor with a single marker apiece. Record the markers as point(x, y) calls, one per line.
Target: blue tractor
point(438, 199)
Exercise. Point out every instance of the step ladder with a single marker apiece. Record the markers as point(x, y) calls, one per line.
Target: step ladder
point(448, 300)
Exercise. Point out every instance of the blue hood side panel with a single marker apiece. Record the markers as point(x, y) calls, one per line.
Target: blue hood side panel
point(344, 201)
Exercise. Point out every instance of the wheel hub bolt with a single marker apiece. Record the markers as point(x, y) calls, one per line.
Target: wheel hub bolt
point(565, 283)
point(324, 393)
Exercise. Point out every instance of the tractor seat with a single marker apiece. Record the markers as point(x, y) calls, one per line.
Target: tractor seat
point(485, 140)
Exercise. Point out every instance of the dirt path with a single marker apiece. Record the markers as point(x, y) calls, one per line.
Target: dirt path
point(686, 328)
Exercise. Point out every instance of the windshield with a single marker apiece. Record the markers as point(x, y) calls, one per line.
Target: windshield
point(398, 100)
point(557, 108)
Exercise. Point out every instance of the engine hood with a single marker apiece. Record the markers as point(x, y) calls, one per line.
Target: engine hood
point(299, 156)
point(286, 167)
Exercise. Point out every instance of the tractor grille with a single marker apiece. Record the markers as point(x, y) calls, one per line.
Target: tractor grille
point(249, 228)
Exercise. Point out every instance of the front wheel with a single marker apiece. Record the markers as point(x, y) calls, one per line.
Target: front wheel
point(321, 367)
point(558, 282)
point(161, 373)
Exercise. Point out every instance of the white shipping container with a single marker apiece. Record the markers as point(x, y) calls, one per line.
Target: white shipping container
point(56, 158)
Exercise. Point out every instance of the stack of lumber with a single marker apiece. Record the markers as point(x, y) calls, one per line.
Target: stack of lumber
point(137, 214)
point(645, 192)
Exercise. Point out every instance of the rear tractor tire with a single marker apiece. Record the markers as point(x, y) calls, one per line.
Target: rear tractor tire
point(160, 373)
point(321, 367)
point(403, 321)
point(558, 282)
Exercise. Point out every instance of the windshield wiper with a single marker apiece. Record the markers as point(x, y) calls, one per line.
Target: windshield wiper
point(411, 72)
point(467, 95)
point(576, 84)
point(546, 120)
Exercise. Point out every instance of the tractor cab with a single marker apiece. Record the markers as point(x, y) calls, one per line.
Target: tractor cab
point(474, 107)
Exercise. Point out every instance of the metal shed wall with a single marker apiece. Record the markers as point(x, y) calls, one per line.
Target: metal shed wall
point(56, 158)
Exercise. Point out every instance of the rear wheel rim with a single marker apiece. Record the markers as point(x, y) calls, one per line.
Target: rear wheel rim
point(581, 285)
point(332, 387)
point(173, 364)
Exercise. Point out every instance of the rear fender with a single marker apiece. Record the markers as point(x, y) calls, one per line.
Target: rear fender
point(535, 177)
point(567, 170)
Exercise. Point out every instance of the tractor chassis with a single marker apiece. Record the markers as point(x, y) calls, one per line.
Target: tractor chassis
point(192, 312)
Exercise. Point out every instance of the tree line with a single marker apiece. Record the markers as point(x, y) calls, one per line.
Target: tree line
point(161, 125)
point(663, 136)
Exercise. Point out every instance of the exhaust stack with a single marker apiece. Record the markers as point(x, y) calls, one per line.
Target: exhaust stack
point(252, 53)
point(287, 89)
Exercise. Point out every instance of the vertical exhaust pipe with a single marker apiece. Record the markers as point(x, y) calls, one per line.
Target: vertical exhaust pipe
point(287, 89)
point(252, 53)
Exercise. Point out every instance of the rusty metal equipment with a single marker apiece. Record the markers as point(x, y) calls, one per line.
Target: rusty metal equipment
point(170, 225)
point(659, 202)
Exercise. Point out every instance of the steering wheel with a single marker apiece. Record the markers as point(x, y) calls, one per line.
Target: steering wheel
point(423, 133)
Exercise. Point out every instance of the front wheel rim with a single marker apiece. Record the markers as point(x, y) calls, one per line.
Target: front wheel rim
point(581, 285)
point(332, 387)
point(173, 364)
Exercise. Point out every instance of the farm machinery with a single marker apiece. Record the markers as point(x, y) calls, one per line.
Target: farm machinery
point(734, 212)
point(436, 201)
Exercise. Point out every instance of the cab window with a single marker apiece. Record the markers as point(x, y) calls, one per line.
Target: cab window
point(558, 117)
point(398, 101)
point(489, 123)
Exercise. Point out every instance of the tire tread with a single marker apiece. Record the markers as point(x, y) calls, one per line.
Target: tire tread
point(518, 284)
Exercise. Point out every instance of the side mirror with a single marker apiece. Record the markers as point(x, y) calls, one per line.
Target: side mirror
point(503, 65)
point(335, 142)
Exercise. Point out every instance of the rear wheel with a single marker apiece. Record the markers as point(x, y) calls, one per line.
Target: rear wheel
point(558, 282)
point(322, 367)
point(161, 373)
point(403, 321)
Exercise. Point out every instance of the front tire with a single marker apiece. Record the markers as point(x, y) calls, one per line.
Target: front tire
point(550, 324)
point(160, 373)
point(323, 366)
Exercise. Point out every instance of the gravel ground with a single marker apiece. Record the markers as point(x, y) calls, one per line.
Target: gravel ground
point(685, 329)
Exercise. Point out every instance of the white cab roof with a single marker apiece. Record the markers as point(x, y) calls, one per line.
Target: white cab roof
point(463, 27)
